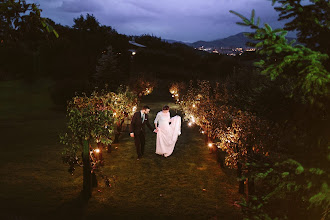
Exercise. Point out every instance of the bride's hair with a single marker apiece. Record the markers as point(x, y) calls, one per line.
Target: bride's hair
point(166, 107)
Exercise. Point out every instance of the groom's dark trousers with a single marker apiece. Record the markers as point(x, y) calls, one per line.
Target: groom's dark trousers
point(138, 128)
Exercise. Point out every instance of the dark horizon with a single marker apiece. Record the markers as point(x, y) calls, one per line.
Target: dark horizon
point(170, 20)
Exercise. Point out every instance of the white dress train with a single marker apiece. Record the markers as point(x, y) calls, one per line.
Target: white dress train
point(167, 134)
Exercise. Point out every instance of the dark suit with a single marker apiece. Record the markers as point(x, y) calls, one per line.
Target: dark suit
point(137, 127)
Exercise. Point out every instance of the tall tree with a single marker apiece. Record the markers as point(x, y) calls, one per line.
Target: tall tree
point(90, 23)
point(303, 76)
point(311, 21)
point(107, 71)
point(301, 68)
point(16, 16)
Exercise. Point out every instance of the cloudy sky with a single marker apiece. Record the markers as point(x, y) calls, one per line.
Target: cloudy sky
point(184, 20)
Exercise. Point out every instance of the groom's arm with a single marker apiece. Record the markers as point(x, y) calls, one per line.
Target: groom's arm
point(149, 126)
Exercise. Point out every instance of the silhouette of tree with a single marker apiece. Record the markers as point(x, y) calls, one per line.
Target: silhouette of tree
point(311, 21)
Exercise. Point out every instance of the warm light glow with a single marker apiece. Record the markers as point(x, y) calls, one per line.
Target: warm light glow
point(134, 108)
point(178, 100)
point(97, 150)
point(133, 53)
point(173, 96)
point(114, 114)
point(172, 92)
point(176, 95)
point(194, 105)
point(193, 119)
point(210, 144)
point(189, 124)
point(203, 132)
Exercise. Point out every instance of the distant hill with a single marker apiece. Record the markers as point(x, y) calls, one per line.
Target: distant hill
point(174, 41)
point(238, 40)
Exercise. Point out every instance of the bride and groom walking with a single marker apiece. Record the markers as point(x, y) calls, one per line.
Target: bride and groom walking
point(168, 129)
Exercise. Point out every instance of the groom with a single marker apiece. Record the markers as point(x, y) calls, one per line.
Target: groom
point(137, 129)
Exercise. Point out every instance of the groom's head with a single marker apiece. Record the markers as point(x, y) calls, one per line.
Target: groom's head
point(146, 109)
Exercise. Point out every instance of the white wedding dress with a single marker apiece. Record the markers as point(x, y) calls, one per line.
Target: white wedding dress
point(167, 134)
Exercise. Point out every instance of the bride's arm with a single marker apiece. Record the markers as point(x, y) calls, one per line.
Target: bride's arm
point(156, 120)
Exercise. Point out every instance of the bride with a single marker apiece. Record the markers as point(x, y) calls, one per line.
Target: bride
point(168, 129)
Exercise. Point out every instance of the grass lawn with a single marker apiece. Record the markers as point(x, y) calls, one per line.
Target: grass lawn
point(35, 183)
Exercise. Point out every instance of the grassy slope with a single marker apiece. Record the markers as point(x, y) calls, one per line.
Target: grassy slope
point(34, 182)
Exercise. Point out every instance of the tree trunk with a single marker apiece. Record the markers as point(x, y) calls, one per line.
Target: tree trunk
point(239, 174)
point(118, 131)
point(109, 148)
point(221, 157)
point(94, 180)
point(206, 135)
point(87, 176)
point(251, 189)
point(212, 148)
point(100, 155)
point(206, 139)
